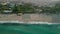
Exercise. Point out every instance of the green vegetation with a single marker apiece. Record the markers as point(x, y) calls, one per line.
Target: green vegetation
point(29, 8)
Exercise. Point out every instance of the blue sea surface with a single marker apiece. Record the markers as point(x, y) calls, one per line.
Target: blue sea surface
point(30, 29)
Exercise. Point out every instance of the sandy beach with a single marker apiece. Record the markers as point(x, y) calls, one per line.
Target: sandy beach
point(29, 18)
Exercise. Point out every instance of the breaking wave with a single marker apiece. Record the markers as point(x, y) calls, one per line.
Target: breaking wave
point(20, 22)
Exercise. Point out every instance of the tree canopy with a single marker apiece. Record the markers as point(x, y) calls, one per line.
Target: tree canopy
point(29, 8)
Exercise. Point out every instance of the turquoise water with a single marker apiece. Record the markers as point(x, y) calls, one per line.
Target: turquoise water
point(30, 29)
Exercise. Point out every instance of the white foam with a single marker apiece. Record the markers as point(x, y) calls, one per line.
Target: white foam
point(42, 23)
point(33, 22)
point(11, 22)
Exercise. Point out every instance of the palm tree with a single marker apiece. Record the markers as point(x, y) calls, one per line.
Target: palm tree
point(1, 8)
point(26, 8)
point(15, 9)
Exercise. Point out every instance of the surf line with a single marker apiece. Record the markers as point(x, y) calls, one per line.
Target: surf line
point(32, 22)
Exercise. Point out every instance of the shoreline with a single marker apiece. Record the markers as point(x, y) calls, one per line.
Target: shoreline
point(33, 22)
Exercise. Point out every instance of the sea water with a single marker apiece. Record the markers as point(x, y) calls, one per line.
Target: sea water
point(30, 29)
